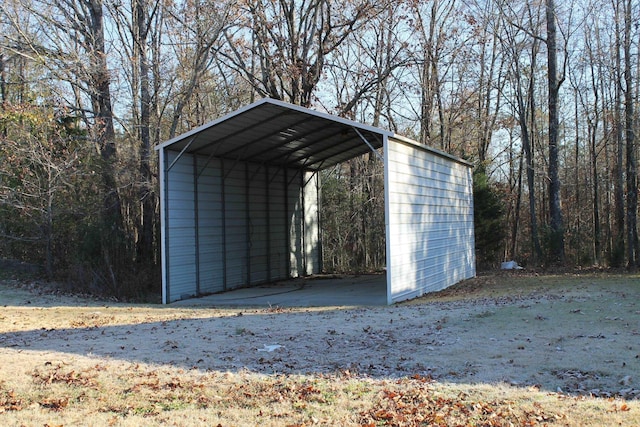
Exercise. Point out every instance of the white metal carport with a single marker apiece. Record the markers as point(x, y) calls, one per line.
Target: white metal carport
point(239, 201)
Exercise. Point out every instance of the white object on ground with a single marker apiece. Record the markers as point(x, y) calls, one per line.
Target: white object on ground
point(510, 265)
point(270, 348)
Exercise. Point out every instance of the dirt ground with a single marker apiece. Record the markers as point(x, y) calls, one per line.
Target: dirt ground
point(569, 334)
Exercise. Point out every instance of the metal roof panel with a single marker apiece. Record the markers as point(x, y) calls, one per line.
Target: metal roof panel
point(274, 132)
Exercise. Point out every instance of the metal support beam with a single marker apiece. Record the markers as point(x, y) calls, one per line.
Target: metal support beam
point(239, 132)
point(297, 171)
point(186, 147)
point(288, 221)
point(303, 224)
point(335, 156)
point(319, 219)
point(204, 167)
point(292, 156)
point(310, 178)
point(369, 144)
point(269, 135)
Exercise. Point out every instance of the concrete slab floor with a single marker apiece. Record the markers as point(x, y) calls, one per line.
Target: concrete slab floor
point(313, 291)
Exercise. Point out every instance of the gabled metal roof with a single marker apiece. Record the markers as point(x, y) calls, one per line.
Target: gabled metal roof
point(273, 132)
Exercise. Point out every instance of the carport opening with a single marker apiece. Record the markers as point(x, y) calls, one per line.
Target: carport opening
point(352, 217)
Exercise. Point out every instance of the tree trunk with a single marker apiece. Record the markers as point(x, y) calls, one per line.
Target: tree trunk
point(555, 206)
point(632, 181)
point(112, 239)
point(3, 92)
point(516, 219)
point(429, 78)
point(592, 124)
point(577, 208)
point(101, 99)
point(141, 24)
point(596, 194)
point(617, 257)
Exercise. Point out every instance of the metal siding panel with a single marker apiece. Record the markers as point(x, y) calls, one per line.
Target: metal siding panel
point(258, 221)
point(180, 225)
point(236, 230)
point(210, 227)
point(430, 217)
point(278, 225)
point(178, 198)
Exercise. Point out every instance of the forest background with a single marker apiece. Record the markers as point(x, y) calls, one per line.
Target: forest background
point(541, 97)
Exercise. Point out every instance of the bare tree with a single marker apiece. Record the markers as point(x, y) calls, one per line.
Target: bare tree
point(593, 121)
point(363, 73)
point(364, 77)
point(280, 47)
point(516, 38)
point(138, 27)
point(432, 32)
point(196, 37)
point(490, 79)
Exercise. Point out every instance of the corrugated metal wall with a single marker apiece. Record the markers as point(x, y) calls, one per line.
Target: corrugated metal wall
point(211, 227)
point(179, 230)
point(429, 208)
point(278, 236)
point(246, 224)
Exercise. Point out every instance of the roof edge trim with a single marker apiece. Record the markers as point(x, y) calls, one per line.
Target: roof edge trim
point(433, 150)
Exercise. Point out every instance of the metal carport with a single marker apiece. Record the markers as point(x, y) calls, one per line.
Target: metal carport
point(239, 200)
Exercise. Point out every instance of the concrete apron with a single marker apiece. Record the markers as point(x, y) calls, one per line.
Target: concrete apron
point(314, 291)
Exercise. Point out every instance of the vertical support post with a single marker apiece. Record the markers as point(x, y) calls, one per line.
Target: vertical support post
point(164, 217)
point(267, 185)
point(224, 225)
point(303, 221)
point(288, 221)
point(387, 213)
point(196, 221)
point(247, 216)
point(319, 219)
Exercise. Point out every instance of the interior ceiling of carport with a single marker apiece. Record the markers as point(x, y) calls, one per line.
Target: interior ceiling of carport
point(275, 134)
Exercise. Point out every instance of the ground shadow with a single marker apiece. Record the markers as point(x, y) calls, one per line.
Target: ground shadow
point(546, 342)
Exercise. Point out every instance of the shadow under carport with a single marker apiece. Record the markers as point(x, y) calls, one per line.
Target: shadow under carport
point(313, 291)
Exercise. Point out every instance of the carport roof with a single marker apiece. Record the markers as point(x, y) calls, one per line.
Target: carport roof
point(273, 132)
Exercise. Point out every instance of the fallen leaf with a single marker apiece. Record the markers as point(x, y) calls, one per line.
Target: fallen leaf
point(55, 404)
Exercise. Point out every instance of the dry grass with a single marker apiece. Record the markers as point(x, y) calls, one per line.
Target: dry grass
point(132, 394)
point(62, 384)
